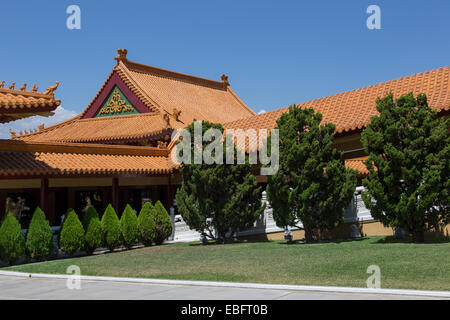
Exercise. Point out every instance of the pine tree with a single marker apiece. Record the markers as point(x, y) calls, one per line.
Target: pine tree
point(130, 227)
point(39, 238)
point(312, 185)
point(218, 200)
point(408, 185)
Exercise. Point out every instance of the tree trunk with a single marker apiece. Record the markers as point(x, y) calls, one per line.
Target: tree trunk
point(310, 235)
point(418, 236)
point(220, 237)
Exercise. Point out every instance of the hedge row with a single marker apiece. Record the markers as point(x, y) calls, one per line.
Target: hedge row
point(152, 226)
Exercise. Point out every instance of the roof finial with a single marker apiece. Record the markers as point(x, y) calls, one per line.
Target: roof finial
point(2, 84)
point(12, 86)
point(34, 88)
point(51, 89)
point(225, 79)
point(176, 114)
point(121, 55)
point(166, 119)
point(23, 87)
point(13, 134)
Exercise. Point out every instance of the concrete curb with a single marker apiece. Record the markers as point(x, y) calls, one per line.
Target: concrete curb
point(420, 293)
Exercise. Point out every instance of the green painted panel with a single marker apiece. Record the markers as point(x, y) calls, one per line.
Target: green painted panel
point(116, 105)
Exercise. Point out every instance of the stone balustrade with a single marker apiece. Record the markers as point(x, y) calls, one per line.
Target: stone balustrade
point(355, 212)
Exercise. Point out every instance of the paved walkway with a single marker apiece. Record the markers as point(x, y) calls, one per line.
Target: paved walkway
point(12, 287)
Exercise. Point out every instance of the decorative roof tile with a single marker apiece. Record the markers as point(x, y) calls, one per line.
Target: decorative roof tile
point(195, 97)
point(352, 110)
point(179, 98)
point(107, 129)
point(17, 104)
point(358, 165)
point(23, 159)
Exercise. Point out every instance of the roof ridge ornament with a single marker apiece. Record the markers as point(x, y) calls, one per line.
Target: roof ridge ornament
point(225, 79)
point(13, 133)
point(121, 55)
point(176, 114)
point(51, 89)
point(166, 119)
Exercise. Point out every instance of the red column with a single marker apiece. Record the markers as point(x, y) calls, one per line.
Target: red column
point(115, 194)
point(169, 196)
point(43, 201)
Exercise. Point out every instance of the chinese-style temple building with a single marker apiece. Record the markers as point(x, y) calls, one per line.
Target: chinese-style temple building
point(118, 149)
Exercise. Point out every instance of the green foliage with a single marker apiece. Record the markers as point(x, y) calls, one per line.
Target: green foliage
point(90, 213)
point(62, 223)
point(222, 197)
point(39, 239)
point(312, 185)
point(409, 165)
point(72, 234)
point(147, 226)
point(94, 235)
point(162, 223)
point(111, 229)
point(130, 227)
point(12, 240)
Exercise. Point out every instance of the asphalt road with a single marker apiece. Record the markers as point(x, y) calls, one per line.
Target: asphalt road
point(12, 287)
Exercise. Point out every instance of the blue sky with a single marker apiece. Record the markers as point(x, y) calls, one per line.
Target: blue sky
point(275, 52)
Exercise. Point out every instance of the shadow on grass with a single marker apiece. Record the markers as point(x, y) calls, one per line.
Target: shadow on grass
point(325, 241)
point(235, 241)
point(408, 239)
point(280, 242)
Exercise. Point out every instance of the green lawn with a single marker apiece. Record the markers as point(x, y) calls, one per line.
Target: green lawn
point(403, 265)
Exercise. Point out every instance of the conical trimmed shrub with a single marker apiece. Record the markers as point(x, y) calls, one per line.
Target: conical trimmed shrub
point(72, 234)
point(39, 239)
point(111, 229)
point(147, 226)
point(94, 235)
point(63, 219)
point(90, 213)
point(162, 222)
point(12, 240)
point(130, 227)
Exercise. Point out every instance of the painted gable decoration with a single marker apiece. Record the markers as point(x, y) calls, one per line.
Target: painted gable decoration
point(115, 105)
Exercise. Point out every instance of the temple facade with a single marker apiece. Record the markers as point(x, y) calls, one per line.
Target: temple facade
point(118, 149)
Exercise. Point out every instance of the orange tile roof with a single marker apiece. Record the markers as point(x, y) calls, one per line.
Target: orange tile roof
point(195, 97)
point(128, 127)
point(358, 165)
point(351, 110)
point(18, 104)
point(23, 159)
point(161, 91)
